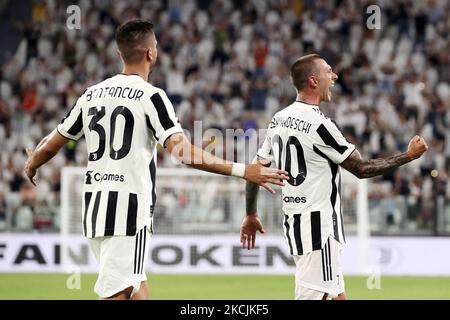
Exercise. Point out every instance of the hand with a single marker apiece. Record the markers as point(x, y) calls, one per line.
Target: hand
point(249, 226)
point(206, 144)
point(29, 171)
point(416, 147)
point(260, 174)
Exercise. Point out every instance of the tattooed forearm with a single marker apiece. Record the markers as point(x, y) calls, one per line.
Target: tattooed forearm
point(251, 197)
point(371, 168)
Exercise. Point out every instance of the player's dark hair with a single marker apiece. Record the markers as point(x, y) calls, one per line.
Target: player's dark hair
point(302, 69)
point(132, 37)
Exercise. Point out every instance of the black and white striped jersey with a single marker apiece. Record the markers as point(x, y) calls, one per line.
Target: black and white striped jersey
point(122, 118)
point(310, 147)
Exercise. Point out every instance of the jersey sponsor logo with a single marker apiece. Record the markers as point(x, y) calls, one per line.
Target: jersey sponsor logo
point(290, 199)
point(98, 177)
point(88, 177)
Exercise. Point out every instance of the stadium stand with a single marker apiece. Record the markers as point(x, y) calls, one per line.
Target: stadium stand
point(227, 63)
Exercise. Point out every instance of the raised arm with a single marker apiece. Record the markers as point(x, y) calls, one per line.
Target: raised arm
point(178, 145)
point(45, 150)
point(374, 167)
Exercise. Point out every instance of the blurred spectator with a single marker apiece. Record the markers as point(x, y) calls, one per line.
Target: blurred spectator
point(5, 120)
point(258, 94)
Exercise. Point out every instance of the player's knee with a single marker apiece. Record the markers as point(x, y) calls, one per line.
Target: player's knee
point(142, 293)
point(122, 295)
point(341, 296)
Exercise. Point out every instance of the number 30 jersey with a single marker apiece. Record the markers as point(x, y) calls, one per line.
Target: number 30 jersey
point(122, 118)
point(310, 147)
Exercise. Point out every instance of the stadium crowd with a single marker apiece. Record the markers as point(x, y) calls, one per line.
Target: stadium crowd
point(226, 63)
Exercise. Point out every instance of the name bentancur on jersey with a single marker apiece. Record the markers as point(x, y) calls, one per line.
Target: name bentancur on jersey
point(291, 123)
point(115, 92)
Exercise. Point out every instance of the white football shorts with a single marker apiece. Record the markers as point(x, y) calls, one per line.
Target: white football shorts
point(319, 272)
point(122, 261)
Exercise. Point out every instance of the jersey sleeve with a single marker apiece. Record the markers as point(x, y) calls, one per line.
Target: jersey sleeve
point(71, 126)
point(265, 150)
point(160, 117)
point(331, 142)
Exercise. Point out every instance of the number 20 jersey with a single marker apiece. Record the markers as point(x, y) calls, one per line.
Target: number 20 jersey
point(310, 147)
point(122, 118)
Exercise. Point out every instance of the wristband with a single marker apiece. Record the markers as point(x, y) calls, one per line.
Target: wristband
point(238, 170)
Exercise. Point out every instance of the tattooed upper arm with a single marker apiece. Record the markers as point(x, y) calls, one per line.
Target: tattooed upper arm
point(353, 163)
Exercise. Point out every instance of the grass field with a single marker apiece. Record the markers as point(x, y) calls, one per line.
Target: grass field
point(218, 287)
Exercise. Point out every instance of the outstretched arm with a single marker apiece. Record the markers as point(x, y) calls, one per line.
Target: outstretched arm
point(45, 150)
point(374, 167)
point(178, 145)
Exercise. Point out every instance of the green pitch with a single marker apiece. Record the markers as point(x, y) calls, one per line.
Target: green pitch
point(192, 287)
